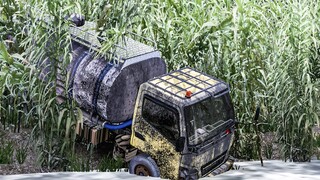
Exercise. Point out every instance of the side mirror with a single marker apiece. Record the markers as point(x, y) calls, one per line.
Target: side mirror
point(180, 144)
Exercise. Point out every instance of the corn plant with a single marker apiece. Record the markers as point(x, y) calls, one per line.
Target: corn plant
point(30, 99)
point(266, 50)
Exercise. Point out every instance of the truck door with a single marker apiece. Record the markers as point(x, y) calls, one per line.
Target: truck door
point(155, 131)
point(162, 117)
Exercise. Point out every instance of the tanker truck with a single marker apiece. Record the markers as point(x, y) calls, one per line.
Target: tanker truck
point(176, 125)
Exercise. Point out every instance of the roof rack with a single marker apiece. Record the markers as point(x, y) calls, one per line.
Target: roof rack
point(178, 82)
point(125, 49)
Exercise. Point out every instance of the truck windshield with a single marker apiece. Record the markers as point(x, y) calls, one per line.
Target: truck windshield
point(208, 118)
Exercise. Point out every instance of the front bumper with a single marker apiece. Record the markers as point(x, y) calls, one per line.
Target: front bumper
point(193, 173)
point(223, 168)
point(213, 164)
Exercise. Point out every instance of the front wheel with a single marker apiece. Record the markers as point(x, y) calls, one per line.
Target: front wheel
point(144, 165)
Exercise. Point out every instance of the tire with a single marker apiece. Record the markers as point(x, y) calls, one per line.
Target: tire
point(144, 165)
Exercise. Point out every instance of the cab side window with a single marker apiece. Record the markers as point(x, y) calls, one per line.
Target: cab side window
point(162, 117)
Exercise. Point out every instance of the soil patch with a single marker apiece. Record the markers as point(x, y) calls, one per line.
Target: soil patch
point(22, 140)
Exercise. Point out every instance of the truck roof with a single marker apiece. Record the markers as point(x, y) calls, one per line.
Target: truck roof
point(177, 83)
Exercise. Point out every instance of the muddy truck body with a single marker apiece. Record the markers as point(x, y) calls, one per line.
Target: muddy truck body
point(177, 125)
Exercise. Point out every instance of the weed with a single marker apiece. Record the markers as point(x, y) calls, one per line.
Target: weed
point(109, 164)
point(78, 163)
point(268, 150)
point(21, 154)
point(6, 152)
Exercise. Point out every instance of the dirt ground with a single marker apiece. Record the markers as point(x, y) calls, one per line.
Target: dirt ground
point(30, 164)
point(19, 139)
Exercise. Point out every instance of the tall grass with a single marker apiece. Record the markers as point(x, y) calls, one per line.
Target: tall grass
point(31, 100)
point(267, 50)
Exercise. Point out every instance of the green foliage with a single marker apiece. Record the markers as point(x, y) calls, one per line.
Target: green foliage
point(78, 163)
point(29, 100)
point(12, 19)
point(266, 50)
point(109, 164)
point(268, 151)
point(21, 154)
point(6, 152)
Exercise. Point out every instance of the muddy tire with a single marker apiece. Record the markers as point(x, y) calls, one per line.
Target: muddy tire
point(144, 165)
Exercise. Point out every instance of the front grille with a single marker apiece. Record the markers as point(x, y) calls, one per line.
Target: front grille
point(212, 165)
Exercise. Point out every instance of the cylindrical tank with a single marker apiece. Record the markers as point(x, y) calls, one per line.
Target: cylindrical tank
point(106, 89)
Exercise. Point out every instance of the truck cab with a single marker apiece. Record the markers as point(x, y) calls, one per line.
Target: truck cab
point(184, 124)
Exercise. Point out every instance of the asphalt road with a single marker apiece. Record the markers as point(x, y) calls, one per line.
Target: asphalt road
point(272, 170)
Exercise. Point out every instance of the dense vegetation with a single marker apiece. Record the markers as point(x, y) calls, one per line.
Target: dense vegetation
point(268, 51)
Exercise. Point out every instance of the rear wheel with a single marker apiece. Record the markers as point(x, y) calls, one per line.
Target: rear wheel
point(144, 165)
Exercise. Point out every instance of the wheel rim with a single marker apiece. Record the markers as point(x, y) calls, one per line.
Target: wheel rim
point(142, 170)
